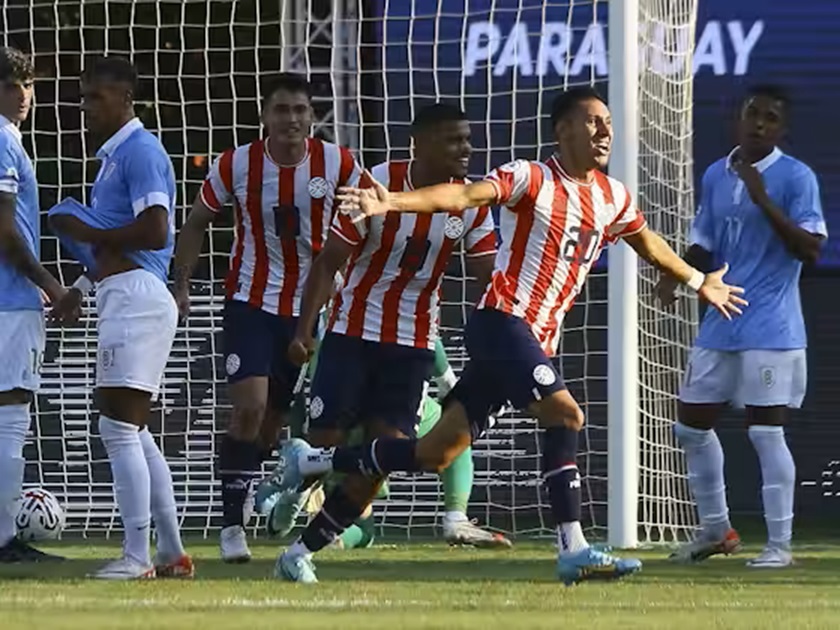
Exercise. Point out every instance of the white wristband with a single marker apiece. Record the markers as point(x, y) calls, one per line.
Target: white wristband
point(83, 284)
point(696, 279)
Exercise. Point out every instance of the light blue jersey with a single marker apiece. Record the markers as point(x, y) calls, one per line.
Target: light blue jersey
point(17, 177)
point(736, 231)
point(135, 174)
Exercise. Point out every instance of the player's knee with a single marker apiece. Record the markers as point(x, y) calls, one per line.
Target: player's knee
point(559, 410)
point(246, 420)
point(702, 416)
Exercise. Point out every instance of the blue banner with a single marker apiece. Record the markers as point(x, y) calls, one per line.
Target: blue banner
point(508, 58)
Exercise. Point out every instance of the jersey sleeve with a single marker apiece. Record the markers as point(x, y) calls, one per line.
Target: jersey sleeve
point(344, 228)
point(629, 220)
point(515, 181)
point(480, 239)
point(804, 205)
point(150, 179)
point(217, 189)
point(9, 175)
point(702, 231)
point(349, 172)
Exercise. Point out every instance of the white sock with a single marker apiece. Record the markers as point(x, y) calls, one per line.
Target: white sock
point(14, 424)
point(778, 480)
point(132, 485)
point(454, 516)
point(164, 511)
point(704, 458)
point(316, 461)
point(570, 538)
point(298, 549)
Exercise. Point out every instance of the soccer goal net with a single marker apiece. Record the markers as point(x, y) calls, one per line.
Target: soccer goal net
point(372, 63)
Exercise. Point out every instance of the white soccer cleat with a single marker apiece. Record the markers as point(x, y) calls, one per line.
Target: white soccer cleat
point(233, 545)
point(772, 558)
point(125, 568)
point(465, 532)
point(704, 548)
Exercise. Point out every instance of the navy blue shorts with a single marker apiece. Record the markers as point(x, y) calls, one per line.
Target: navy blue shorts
point(507, 365)
point(358, 381)
point(256, 343)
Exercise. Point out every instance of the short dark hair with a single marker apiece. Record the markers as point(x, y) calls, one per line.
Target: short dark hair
point(565, 102)
point(432, 115)
point(771, 91)
point(289, 82)
point(117, 69)
point(15, 66)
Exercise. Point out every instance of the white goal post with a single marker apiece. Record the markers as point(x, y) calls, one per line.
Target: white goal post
point(373, 63)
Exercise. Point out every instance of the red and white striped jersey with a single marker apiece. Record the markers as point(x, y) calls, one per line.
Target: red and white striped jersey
point(282, 216)
point(391, 291)
point(553, 228)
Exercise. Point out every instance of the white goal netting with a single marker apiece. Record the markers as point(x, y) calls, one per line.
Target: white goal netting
point(372, 63)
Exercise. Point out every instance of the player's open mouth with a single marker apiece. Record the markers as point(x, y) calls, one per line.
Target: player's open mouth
point(602, 148)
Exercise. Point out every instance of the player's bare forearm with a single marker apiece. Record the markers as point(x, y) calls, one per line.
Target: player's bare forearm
point(481, 268)
point(319, 283)
point(190, 243)
point(653, 249)
point(445, 198)
point(16, 252)
point(149, 231)
point(801, 243)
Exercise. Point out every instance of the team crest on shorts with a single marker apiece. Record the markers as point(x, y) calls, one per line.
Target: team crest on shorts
point(106, 358)
point(544, 375)
point(453, 228)
point(232, 364)
point(768, 376)
point(316, 408)
point(318, 187)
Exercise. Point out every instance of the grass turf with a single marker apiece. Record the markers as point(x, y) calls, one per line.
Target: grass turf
point(424, 586)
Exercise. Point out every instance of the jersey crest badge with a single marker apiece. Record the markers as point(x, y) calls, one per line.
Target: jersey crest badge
point(453, 228)
point(318, 187)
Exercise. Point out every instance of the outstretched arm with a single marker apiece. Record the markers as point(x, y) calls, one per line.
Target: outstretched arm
point(653, 248)
point(440, 198)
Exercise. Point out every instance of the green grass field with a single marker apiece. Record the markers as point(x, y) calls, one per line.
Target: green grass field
point(425, 586)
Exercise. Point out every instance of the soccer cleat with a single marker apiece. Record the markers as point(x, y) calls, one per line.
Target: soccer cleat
point(234, 545)
point(593, 563)
point(295, 568)
point(182, 568)
point(125, 568)
point(771, 558)
point(702, 548)
point(17, 551)
point(286, 475)
point(468, 533)
point(283, 516)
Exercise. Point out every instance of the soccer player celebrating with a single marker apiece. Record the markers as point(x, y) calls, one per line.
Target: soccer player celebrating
point(22, 334)
point(133, 201)
point(759, 211)
point(379, 348)
point(555, 217)
point(282, 188)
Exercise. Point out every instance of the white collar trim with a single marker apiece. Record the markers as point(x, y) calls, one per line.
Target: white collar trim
point(111, 144)
point(13, 129)
point(762, 165)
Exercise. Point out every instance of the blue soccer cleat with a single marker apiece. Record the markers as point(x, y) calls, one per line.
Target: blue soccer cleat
point(593, 563)
point(285, 476)
point(295, 569)
point(285, 511)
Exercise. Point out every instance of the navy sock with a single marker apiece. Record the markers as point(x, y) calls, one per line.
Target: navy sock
point(560, 473)
point(336, 515)
point(239, 465)
point(378, 458)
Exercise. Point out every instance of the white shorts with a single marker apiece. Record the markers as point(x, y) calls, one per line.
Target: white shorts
point(22, 339)
point(758, 378)
point(136, 328)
